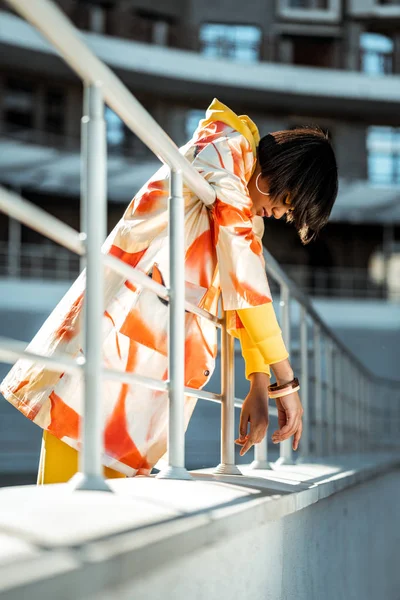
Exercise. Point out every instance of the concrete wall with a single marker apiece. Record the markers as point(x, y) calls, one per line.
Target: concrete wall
point(344, 547)
point(230, 11)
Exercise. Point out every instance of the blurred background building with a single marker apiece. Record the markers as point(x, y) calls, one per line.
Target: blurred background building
point(285, 63)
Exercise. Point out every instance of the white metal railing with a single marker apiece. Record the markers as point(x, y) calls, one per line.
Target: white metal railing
point(328, 426)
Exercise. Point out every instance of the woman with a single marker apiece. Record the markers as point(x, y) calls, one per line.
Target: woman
point(290, 173)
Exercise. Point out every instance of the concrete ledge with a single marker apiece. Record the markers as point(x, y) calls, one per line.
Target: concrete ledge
point(52, 535)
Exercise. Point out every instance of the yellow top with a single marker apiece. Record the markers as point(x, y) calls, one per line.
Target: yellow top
point(261, 338)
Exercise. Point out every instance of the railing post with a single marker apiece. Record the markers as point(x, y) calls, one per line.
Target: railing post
point(95, 165)
point(84, 174)
point(318, 391)
point(176, 331)
point(365, 411)
point(370, 430)
point(304, 380)
point(354, 406)
point(286, 453)
point(330, 419)
point(356, 377)
point(261, 455)
point(345, 405)
point(339, 399)
point(14, 247)
point(227, 465)
point(363, 433)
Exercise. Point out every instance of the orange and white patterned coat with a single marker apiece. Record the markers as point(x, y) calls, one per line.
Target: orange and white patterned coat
point(223, 255)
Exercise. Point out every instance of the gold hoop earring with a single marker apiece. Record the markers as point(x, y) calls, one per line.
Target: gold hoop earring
point(257, 186)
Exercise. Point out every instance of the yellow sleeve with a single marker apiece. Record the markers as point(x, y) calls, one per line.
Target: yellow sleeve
point(264, 338)
point(253, 359)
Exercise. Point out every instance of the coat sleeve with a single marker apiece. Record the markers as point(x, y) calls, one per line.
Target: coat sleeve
point(227, 164)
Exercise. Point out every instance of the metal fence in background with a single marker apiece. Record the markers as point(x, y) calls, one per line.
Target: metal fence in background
point(48, 261)
point(345, 405)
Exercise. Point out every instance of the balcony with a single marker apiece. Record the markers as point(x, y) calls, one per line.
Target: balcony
point(315, 11)
point(375, 9)
point(180, 74)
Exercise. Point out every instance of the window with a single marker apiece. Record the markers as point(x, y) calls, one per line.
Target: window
point(310, 4)
point(18, 103)
point(115, 128)
point(313, 51)
point(192, 120)
point(317, 11)
point(235, 42)
point(383, 148)
point(376, 54)
point(152, 28)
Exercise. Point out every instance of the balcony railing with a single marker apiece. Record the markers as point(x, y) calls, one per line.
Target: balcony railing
point(323, 52)
point(350, 405)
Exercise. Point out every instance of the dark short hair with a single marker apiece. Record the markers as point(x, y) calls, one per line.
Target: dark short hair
point(301, 161)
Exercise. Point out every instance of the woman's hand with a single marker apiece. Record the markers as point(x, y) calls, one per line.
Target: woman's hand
point(254, 412)
point(290, 413)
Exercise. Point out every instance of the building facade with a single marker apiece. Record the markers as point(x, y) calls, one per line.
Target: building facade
point(283, 62)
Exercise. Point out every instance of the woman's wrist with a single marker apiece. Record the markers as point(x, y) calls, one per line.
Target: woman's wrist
point(259, 379)
point(283, 372)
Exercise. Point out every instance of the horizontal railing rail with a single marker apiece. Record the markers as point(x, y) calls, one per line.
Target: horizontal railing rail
point(332, 361)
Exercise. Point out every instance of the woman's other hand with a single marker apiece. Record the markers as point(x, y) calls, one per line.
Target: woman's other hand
point(254, 413)
point(290, 413)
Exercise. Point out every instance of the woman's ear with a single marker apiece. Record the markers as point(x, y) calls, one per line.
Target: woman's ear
point(288, 199)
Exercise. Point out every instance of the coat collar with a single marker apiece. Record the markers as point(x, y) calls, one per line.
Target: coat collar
point(217, 111)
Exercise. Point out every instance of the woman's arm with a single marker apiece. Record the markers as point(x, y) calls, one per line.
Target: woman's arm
point(266, 341)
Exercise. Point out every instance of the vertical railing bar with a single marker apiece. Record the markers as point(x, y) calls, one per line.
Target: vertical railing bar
point(356, 407)
point(330, 417)
point(352, 409)
point(286, 451)
point(370, 423)
point(84, 182)
point(227, 465)
point(345, 387)
point(354, 403)
point(363, 433)
point(14, 247)
point(261, 455)
point(90, 476)
point(318, 391)
point(368, 430)
point(176, 331)
point(366, 409)
point(304, 445)
point(339, 387)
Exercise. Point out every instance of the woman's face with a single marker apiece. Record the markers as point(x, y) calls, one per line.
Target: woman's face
point(263, 204)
